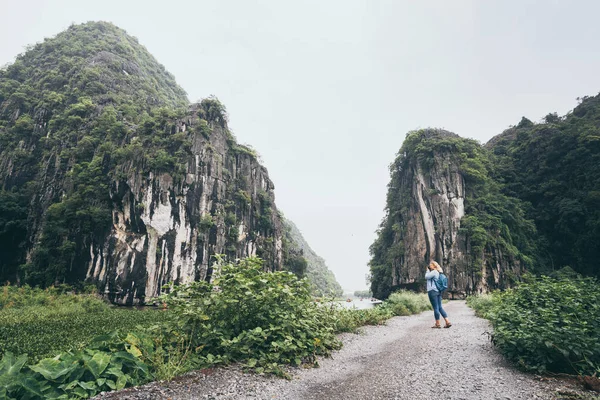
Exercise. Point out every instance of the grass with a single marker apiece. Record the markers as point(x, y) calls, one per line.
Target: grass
point(399, 303)
point(42, 323)
point(481, 304)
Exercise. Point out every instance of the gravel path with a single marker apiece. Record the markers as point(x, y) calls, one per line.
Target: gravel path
point(404, 359)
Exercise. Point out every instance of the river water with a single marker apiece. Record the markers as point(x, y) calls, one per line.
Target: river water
point(358, 304)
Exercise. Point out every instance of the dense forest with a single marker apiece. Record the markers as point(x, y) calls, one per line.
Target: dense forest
point(531, 194)
point(554, 167)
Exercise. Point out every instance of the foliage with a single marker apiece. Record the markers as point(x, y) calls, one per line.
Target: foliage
point(41, 323)
point(80, 374)
point(245, 314)
point(400, 303)
point(547, 324)
point(349, 320)
point(555, 167)
point(13, 232)
point(482, 303)
point(363, 293)
point(404, 302)
point(322, 280)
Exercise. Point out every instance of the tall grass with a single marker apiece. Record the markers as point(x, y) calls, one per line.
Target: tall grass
point(404, 302)
point(400, 303)
point(481, 304)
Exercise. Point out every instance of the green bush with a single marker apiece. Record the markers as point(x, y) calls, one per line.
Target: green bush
point(399, 303)
point(259, 318)
point(482, 304)
point(405, 302)
point(548, 324)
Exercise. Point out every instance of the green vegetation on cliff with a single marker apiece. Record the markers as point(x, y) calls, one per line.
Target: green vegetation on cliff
point(72, 110)
point(322, 280)
point(554, 166)
point(90, 113)
point(492, 219)
point(532, 192)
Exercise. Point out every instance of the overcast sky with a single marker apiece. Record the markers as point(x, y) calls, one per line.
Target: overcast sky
point(326, 90)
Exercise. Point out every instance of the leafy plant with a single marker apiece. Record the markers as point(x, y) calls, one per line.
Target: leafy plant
point(249, 315)
point(404, 302)
point(547, 324)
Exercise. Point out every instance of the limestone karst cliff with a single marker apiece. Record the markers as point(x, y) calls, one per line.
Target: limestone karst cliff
point(108, 175)
point(321, 278)
point(442, 205)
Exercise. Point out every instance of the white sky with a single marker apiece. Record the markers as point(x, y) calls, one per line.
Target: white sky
point(326, 90)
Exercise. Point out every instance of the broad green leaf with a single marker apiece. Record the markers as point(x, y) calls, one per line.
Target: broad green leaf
point(33, 387)
point(133, 350)
point(114, 371)
point(91, 385)
point(121, 382)
point(68, 386)
point(11, 365)
point(98, 364)
point(52, 369)
point(81, 392)
point(123, 355)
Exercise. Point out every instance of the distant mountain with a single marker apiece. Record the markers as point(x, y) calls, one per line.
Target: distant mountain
point(321, 278)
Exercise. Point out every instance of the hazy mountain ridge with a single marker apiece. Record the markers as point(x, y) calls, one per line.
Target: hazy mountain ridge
point(319, 275)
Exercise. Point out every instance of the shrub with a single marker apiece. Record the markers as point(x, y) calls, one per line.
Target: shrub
point(349, 320)
point(405, 302)
point(262, 319)
point(548, 324)
point(81, 374)
point(482, 304)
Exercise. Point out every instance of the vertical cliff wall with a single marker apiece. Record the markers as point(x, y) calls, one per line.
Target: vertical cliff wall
point(442, 205)
point(166, 230)
point(108, 175)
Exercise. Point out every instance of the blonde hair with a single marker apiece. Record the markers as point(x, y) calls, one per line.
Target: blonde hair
point(437, 267)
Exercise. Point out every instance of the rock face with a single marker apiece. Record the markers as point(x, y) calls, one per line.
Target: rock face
point(166, 231)
point(108, 175)
point(427, 210)
point(319, 275)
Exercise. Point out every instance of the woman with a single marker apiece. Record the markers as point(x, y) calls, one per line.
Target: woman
point(435, 297)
